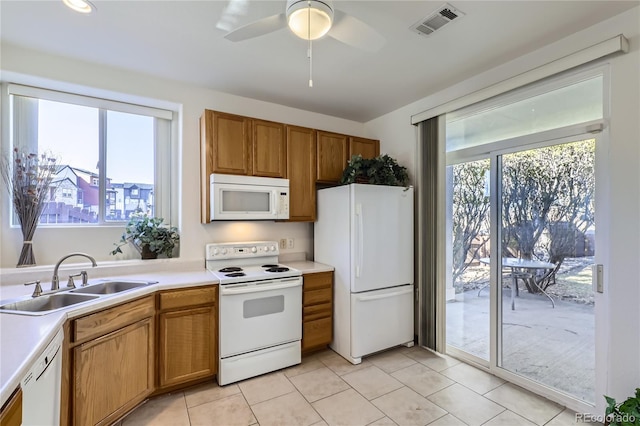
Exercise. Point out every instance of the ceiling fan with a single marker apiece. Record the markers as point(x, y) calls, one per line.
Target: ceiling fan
point(309, 20)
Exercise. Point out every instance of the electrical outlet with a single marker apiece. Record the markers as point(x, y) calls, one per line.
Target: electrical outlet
point(283, 243)
point(289, 243)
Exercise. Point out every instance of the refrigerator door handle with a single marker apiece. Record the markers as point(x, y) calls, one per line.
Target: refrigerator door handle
point(384, 296)
point(360, 242)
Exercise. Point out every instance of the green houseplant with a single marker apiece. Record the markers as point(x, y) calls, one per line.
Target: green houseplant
point(149, 236)
point(381, 170)
point(626, 413)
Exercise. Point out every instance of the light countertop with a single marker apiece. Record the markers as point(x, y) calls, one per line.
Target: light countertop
point(308, 267)
point(24, 337)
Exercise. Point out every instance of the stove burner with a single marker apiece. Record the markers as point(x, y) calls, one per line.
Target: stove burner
point(278, 269)
point(270, 266)
point(231, 269)
point(235, 274)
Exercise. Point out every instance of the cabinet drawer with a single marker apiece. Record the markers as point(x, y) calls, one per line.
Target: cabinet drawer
point(182, 298)
point(314, 312)
point(316, 333)
point(111, 319)
point(318, 280)
point(315, 297)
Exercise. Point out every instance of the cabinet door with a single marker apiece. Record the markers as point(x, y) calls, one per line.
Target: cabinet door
point(187, 345)
point(368, 148)
point(316, 334)
point(230, 141)
point(113, 373)
point(269, 150)
point(332, 156)
point(317, 311)
point(301, 172)
point(11, 414)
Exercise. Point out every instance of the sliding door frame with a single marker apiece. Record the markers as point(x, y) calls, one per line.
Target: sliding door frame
point(541, 140)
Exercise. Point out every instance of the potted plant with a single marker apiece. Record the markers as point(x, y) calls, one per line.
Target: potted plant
point(626, 413)
point(381, 170)
point(149, 236)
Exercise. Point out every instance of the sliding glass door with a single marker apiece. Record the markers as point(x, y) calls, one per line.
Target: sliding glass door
point(520, 235)
point(547, 245)
point(467, 309)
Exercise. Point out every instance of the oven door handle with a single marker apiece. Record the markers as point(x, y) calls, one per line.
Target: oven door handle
point(258, 288)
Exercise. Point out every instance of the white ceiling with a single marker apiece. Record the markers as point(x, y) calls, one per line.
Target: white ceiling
point(178, 40)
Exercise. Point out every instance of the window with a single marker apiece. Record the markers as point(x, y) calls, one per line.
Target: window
point(104, 149)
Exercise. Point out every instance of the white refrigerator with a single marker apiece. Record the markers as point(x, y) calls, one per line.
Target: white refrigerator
point(366, 233)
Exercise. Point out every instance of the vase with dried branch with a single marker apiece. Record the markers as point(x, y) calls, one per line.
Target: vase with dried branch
point(28, 178)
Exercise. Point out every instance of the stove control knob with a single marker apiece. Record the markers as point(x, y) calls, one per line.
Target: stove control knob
point(254, 249)
point(216, 252)
point(273, 248)
point(224, 251)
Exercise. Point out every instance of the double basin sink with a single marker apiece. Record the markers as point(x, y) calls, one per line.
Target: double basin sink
point(48, 303)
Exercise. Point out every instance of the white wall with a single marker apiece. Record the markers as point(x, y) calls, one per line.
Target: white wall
point(41, 69)
point(617, 332)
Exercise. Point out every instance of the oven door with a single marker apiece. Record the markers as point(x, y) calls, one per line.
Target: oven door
point(259, 314)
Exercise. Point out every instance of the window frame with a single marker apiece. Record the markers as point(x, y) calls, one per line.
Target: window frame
point(165, 140)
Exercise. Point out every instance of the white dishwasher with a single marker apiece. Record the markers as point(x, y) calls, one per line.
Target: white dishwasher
point(41, 387)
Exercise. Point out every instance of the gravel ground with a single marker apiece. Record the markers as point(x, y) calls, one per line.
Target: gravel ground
point(573, 280)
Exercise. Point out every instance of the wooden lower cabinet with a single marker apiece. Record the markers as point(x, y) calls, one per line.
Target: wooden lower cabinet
point(187, 342)
point(108, 363)
point(113, 373)
point(117, 357)
point(317, 311)
point(11, 414)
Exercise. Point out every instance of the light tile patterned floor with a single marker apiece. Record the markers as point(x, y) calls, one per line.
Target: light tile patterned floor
point(403, 386)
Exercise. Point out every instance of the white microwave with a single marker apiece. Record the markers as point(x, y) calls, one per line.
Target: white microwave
point(236, 197)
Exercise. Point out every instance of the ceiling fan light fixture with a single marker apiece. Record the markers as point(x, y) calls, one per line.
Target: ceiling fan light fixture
point(82, 6)
point(309, 19)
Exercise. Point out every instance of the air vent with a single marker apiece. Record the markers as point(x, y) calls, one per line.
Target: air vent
point(436, 20)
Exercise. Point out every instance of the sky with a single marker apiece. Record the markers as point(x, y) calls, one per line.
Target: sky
point(71, 133)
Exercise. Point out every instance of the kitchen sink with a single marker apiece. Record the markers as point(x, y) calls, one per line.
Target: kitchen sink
point(45, 304)
point(111, 287)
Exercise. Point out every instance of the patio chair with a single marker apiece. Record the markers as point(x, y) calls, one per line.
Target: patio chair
point(549, 278)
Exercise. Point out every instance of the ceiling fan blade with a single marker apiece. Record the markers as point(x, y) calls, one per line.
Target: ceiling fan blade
point(356, 33)
point(258, 28)
point(232, 11)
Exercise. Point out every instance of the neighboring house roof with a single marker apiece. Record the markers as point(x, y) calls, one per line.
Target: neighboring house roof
point(60, 181)
point(129, 185)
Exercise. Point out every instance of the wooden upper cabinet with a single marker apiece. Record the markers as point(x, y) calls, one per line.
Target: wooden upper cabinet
point(368, 148)
point(231, 144)
point(301, 172)
point(332, 151)
point(269, 149)
point(224, 148)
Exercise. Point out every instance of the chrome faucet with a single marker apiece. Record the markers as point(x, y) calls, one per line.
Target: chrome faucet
point(55, 280)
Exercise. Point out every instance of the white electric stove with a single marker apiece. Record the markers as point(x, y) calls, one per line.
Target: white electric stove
point(260, 312)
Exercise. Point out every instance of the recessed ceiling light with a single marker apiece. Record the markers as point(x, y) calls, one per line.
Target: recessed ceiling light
point(82, 6)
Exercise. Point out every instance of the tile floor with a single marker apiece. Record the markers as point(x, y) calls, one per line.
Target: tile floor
point(404, 386)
